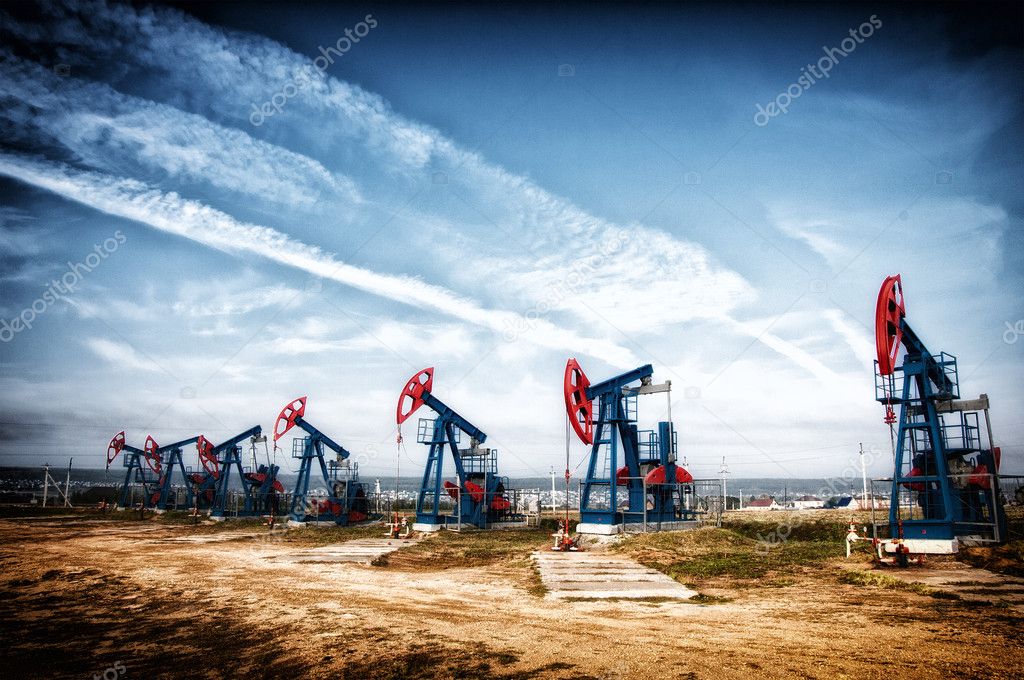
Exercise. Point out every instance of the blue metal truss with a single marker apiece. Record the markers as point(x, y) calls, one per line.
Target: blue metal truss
point(934, 456)
point(258, 497)
point(137, 473)
point(480, 494)
point(346, 497)
point(170, 457)
point(620, 457)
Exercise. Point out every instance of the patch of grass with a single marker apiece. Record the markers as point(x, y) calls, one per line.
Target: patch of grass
point(701, 598)
point(13, 511)
point(536, 587)
point(780, 527)
point(319, 536)
point(878, 579)
point(695, 556)
point(447, 549)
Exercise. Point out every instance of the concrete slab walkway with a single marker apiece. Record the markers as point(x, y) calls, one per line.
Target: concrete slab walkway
point(362, 551)
point(598, 575)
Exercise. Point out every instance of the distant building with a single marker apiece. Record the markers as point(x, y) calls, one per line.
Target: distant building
point(760, 504)
point(808, 502)
point(851, 503)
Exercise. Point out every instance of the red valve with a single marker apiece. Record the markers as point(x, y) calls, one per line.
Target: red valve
point(114, 447)
point(289, 414)
point(207, 457)
point(888, 334)
point(152, 456)
point(890, 415)
point(577, 404)
point(411, 397)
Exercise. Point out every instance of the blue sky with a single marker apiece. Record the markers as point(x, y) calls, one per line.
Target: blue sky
point(489, 191)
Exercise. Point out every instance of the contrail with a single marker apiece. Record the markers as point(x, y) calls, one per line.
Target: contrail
point(197, 222)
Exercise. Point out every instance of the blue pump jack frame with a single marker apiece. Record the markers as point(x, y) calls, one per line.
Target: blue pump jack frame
point(313, 450)
point(133, 461)
point(170, 456)
point(949, 509)
point(446, 426)
point(229, 456)
point(615, 432)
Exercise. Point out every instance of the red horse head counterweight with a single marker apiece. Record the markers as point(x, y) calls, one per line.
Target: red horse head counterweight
point(152, 455)
point(577, 405)
point(411, 397)
point(287, 417)
point(889, 311)
point(207, 457)
point(114, 447)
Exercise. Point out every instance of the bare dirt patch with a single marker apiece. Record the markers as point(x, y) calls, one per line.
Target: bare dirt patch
point(82, 594)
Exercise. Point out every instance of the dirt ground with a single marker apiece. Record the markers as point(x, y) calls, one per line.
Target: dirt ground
point(89, 597)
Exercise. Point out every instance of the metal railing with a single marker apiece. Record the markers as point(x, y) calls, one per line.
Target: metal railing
point(971, 496)
point(700, 500)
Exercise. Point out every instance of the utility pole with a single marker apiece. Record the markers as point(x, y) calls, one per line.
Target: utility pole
point(864, 477)
point(46, 482)
point(554, 507)
point(67, 486)
point(725, 496)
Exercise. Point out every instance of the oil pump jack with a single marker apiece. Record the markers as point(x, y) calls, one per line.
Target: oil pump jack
point(622, 456)
point(257, 486)
point(480, 494)
point(203, 484)
point(136, 462)
point(346, 497)
point(945, 485)
point(170, 457)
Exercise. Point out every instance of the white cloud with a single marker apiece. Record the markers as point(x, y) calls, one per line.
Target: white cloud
point(222, 299)
point(120, 354)
point(652, 278)
point(169, 212)
point(110, 131)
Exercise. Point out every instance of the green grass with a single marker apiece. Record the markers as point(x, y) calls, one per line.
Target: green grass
point(13, 511)
point(468, 548)
point(878, 579)
point(692, 557)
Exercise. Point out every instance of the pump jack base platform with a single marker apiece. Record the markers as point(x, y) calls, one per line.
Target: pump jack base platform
point(427, 528)
point(315, 523)
point(634, 527)
point(926, 546)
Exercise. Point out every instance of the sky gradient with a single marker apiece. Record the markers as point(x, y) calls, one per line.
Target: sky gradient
point(489, 191)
